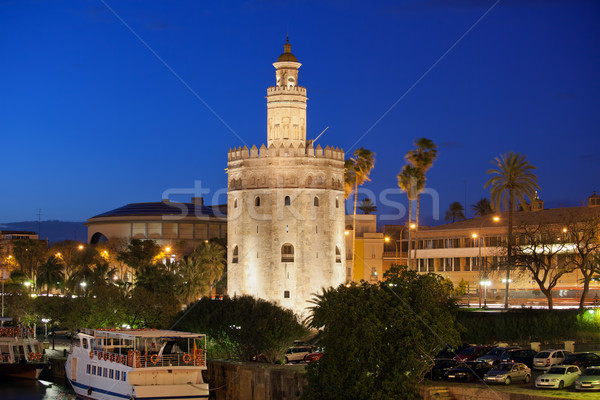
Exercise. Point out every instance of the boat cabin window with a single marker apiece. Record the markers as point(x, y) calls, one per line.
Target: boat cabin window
point(84, 343)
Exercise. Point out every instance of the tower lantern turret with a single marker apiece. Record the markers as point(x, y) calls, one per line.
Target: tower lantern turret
point(286, 103)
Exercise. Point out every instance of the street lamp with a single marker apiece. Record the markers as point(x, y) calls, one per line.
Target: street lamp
point(486, 282)
point(45, 321)
point(387, 240)
point(83, 285)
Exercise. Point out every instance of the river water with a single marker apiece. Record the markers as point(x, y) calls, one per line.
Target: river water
point(24, 389)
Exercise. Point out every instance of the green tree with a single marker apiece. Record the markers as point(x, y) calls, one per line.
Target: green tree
point(367, 206)
point(193, 280)
point(358, 168)
point(213, 259)
point(411, 180)
point(139, 253)
point(512, 182)
point(244, 326)
point(455, 212)
point(380, 339)
point(422, 157)
point(482, 207)
point(29, 255)
point(50, 273)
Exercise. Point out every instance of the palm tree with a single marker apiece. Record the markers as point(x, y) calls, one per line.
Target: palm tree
point(50, 273)
point(367, 206)
point(512, 182)
point(411, 180)
point(482, 207)
point(357, 170)
point(422, 157)
point(455, 212)
point(213, 259)
point(193, 280)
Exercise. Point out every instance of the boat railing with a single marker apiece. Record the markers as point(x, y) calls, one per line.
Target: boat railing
point(135, 359)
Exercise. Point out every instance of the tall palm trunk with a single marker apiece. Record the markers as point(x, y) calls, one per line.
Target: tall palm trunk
point(354, 227)
point(511, 205)
point(409, 231)
point(417, 231)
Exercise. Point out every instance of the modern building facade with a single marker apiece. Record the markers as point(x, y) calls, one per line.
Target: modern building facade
point(285, 204)
point(474, 251)
point(168, 223)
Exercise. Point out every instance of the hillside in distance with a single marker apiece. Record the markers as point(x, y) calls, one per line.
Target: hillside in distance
point(52, 230)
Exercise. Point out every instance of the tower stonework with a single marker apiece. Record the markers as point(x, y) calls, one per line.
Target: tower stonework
point(285, 205)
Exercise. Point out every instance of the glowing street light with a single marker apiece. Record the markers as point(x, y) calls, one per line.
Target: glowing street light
point(387, 240)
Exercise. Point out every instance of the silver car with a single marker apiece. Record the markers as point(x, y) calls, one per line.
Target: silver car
point(589, 380)
point(507, 373)
point(546, 359)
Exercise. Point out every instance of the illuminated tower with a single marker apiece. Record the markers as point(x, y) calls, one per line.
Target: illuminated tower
point(285, 204)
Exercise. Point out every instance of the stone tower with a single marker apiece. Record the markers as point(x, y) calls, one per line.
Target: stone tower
point(285, 204)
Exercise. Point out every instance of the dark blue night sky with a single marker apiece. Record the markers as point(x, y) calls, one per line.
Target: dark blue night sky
point(91, 119)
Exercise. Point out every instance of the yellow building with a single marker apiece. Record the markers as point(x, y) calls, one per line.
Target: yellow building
point(369, 245)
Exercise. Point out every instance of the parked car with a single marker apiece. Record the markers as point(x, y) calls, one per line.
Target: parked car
point(546, 359)
point(472, 353)
point(589, 379)
point(296, 354)
point(493, 356)
point(558, 377)
point(449, 352)
point(582, 360)
point(507, 373)
point(312, 357)
point(441, 368)
point(524, 356)
point(468, 371)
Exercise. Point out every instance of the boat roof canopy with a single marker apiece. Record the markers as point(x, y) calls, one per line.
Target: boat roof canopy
point(140, 333)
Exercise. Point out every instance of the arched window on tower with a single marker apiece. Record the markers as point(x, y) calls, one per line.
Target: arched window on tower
point(316, 201)
point(234, 256)
point(287, 201)
point(338, 255)
point(234, 203)
point(257, 201)
point(337, 203)
point(287, 253)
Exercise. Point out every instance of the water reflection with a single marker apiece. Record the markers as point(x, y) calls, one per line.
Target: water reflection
point(24, 389)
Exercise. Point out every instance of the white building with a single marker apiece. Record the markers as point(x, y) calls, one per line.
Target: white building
point(285, 204)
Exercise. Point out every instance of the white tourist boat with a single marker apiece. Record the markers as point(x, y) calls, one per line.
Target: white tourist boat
point(21, 354)
point(138, 364)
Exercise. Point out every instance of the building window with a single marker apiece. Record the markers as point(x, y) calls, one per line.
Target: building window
point(286, 294)
point(287, 253)
point(456, 263)
point(373, 253)
point(234, 257)
point(316, 201)
point(337, 203)
point(257, 201)
point(234, 203)
point(431, 265)
point(287, 201)
point(338, 255)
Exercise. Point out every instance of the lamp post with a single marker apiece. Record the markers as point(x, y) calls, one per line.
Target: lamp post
point(45, 321)
point(83, 286)
point(387, 240)
point(410, 228)
point(485, 282)
point(478, 265)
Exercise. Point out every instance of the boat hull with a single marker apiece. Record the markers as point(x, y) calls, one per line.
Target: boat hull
point(159, 392)
point(23, 371)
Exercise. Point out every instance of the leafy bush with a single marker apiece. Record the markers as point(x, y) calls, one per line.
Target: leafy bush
point(244, 326)
point(526, 325)
point(379, 339)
